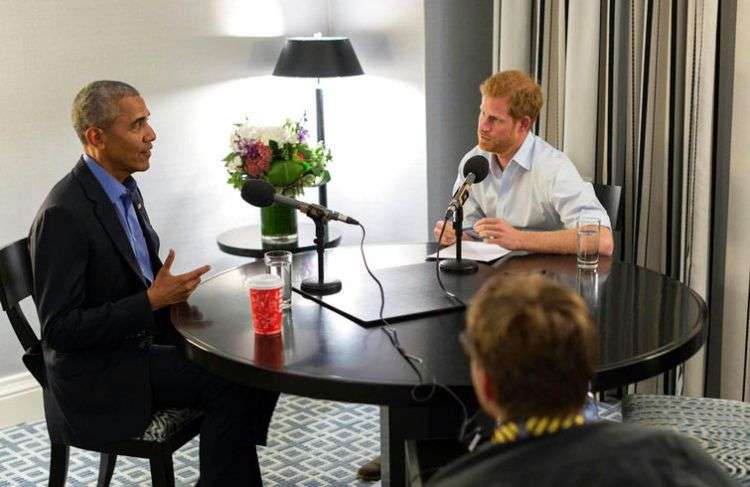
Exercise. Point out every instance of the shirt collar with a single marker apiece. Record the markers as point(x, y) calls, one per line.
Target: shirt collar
point(112, 187)
point(522, 157)
point(523, 154)
point(494, 165)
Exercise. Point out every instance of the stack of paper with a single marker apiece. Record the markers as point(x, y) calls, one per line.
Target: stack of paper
point(478, 251)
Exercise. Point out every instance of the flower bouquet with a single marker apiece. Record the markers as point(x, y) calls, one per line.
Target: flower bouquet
point(282, 156)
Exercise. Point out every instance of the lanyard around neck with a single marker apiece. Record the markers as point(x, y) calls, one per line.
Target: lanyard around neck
point(535, 426)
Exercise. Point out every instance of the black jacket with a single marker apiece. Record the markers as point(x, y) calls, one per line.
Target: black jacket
point(94, 313)
point(601, 454)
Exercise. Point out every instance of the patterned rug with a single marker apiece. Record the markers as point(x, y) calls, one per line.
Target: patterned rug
point(311, 443)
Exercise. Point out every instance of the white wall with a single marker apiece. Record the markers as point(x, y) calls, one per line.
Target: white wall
point(202, 66)
point(376, 123)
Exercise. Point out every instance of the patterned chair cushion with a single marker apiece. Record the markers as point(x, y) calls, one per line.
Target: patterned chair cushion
point(167, 421)
point(721, 426)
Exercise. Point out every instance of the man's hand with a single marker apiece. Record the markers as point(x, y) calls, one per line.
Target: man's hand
point(449, 236)
point(168, 289)
point(498, 231)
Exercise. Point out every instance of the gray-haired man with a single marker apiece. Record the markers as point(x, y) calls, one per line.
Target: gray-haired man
point(103, 298)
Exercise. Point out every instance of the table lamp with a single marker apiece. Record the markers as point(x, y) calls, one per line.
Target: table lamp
point(318, 57)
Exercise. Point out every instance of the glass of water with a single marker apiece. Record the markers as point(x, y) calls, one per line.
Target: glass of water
point(587, 242)
point(279, 263)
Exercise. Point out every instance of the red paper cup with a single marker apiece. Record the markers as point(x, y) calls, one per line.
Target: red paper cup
point(265, 303)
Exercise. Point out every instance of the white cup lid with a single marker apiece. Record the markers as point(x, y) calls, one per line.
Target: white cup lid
point(264, 281)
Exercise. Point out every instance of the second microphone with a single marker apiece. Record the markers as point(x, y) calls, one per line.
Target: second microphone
point(261, 193)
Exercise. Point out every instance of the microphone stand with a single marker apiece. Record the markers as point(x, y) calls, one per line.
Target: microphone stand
point(458, 266)
point(319, 286)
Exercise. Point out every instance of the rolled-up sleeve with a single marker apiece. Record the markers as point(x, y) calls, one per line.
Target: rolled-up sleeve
point(571, 196)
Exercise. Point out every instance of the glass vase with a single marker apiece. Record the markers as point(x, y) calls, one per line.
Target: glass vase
point(278, 225)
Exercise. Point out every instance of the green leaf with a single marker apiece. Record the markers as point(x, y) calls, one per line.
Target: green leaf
point(230, 156)
point(237, 179)
point(284, 173)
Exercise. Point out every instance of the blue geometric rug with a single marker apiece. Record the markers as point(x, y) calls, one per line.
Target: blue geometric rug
point(311, 443)
point(609, 411)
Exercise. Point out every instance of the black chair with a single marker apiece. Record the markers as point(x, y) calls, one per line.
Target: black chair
point(169, 429)
point(609, 197)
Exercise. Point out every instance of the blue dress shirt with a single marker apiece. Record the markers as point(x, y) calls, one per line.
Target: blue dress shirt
point(540, 189)
point(122, 195)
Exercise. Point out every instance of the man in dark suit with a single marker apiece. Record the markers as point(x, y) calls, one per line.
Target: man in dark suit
point(103, 299)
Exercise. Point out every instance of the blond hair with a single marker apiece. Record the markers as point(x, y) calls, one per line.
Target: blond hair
point(523, 93)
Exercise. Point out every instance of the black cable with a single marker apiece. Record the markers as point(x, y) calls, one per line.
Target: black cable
point(387, 328)
point(466, 420)
point(412, 360)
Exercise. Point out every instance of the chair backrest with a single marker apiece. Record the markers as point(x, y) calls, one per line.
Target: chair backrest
point(609, 197)
point(16, 285)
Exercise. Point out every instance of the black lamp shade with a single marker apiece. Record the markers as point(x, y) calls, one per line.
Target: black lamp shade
point(317, 57)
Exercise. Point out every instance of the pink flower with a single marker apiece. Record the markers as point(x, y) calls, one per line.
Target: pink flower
point(256, 157)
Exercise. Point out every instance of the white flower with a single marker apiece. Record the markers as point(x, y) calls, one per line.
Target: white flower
point(273, 133)
point(235, 164)
point(247, 132)
point(260, 133)
point(290, 135)
point(264, 134)
point(313, 144)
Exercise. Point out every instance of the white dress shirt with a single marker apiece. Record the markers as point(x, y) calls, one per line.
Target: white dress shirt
point(540, 189)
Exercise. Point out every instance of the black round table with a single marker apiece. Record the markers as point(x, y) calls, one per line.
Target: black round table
point(246, 241)
point(648, 324)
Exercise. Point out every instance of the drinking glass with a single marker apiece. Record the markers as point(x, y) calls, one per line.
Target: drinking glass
point(279, 263)
point(587, 242)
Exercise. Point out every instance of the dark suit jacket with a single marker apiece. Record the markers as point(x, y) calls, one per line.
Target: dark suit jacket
point(600, 454)
point(94, 314)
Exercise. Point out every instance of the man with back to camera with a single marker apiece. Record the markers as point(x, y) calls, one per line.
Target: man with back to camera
point(533, 194)
point(103, 299)
point(533, 350)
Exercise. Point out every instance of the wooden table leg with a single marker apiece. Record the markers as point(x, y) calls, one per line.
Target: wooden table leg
point(398, 424)
point(392, 447)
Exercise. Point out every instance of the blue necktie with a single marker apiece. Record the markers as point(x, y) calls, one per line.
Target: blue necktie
point(137, 240)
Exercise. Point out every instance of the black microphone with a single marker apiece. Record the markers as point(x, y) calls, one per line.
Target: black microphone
point(262, 193)
point(475, 170)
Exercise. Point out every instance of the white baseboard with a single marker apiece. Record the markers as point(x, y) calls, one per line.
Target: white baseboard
point(20, 400)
